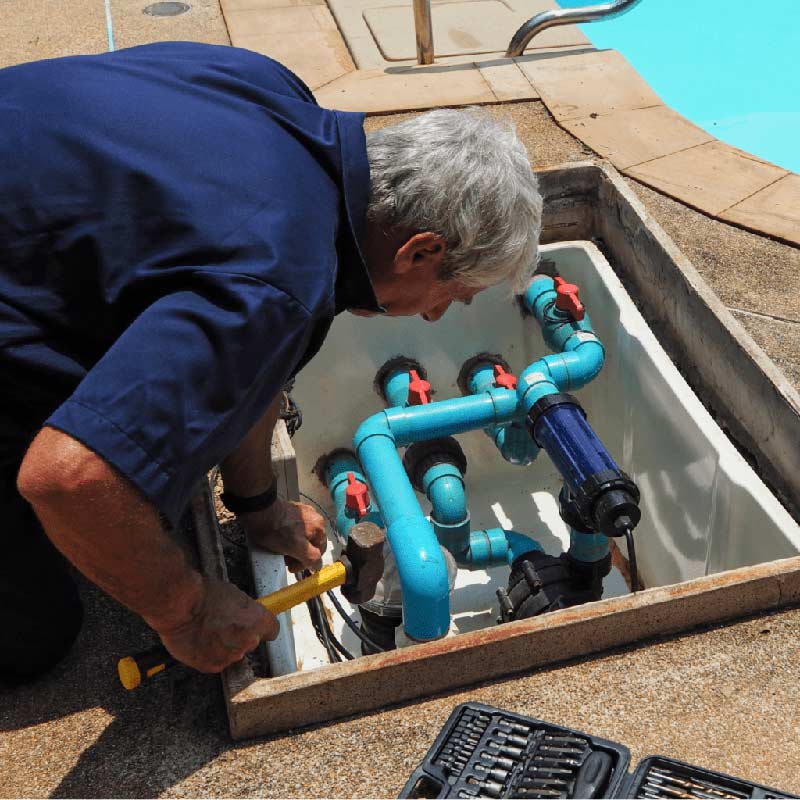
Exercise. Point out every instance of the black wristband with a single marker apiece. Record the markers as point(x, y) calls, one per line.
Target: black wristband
point(246, 505)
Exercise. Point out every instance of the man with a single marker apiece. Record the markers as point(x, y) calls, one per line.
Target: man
point(179, 224)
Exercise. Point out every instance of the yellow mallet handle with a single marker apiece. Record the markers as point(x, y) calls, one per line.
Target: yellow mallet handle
point(314, 585)
point(133, 670)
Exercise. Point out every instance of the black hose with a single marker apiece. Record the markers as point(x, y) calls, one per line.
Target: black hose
point(634, 570)
point(353, 627)
point(319, 622)
point(348, 620)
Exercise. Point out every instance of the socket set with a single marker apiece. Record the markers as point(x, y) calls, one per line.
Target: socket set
point(485, 752)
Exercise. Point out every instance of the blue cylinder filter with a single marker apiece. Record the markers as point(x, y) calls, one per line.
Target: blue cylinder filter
point(606, 498)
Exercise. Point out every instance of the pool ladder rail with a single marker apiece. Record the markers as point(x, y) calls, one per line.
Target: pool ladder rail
point(546, 19)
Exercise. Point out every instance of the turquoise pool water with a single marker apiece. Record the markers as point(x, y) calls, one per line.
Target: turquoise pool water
point(730, 66)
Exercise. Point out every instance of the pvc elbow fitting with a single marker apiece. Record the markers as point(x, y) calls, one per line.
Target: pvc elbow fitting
point(444, 487)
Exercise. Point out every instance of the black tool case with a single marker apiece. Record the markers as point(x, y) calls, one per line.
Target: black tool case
point(485, 752)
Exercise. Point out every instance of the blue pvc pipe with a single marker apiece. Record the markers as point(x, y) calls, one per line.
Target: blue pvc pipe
point(496, 546)
point(420, 562)
point(512, 440)
point(336, 480)
point(395, 388)
point(587, 547)
point(443, 485)
point(581, 353)
point(443, 418)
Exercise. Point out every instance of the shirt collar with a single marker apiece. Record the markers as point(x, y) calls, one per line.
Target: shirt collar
point(353, 285)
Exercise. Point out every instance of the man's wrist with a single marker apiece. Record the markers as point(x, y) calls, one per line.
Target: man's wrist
point(253, 503)
point(181, 604)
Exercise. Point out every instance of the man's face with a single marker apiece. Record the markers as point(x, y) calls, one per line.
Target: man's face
point(429, 296)
point(405, 272)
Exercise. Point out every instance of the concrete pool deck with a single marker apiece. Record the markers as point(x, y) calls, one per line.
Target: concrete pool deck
point(726, 698)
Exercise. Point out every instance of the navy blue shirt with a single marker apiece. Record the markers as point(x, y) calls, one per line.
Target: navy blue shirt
point(179, 224)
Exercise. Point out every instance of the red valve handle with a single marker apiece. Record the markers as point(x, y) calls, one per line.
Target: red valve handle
point(567, 299)
point(356, 496)
point(419, 390)
point(503, 379)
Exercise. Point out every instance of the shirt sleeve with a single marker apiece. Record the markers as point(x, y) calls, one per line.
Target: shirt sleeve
point(185, 382)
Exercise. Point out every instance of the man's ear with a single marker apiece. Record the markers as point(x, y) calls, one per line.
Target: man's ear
point(424, 251)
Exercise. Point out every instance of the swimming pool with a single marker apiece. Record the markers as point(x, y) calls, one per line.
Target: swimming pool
point(730, 66)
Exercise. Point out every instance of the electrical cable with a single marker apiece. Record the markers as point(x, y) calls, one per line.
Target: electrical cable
point(371, 643)
point(632, 560)
point(323, 629)
point(348, 620)
point(317, 616)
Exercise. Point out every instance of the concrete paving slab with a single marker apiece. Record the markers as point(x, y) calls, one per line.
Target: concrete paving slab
point(325, 60)
point(304, 38)
point(471, 27)
point(627, 138)
point(774, 210)
point(577, 85)
point(377, 91)
point(34, 30)
point(506, 80)
point(252, 5)
point(202, 23)
point(477, 26)
point(712, 177)
point(249, 23)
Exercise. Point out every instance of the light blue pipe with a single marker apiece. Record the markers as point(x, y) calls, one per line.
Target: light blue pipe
point(513, 440)
point(420, 562)
point(581, 357)
point(423, 574)
point(443, 484)
point(395, 388)
point(587, 547)
point(443, 418)
point(496, 546)
point(336, 481)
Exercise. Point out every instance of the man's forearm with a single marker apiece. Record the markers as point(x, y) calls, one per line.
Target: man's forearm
point(108, 530)
point(247, 471)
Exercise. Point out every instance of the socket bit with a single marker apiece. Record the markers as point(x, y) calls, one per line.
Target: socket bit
point(559, 762)
point(514, 752)
point(498, 761)
point(492, 788)
point(546, 748)
point(544, 782)
point(550, 770)
point(566, 740)
point(510, 738)
point(490, 772)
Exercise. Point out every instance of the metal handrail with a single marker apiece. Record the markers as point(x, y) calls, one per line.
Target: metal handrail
point(564, 16)
point(424, 31)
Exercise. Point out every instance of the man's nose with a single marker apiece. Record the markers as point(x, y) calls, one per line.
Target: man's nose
point(437, 312)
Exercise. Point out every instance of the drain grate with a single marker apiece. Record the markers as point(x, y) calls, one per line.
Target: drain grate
point(166, 9)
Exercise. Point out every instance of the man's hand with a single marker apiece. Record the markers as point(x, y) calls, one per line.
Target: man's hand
point(293, 530)
point(226, 625)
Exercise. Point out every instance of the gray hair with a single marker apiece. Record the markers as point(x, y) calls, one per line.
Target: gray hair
point(465, 176)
